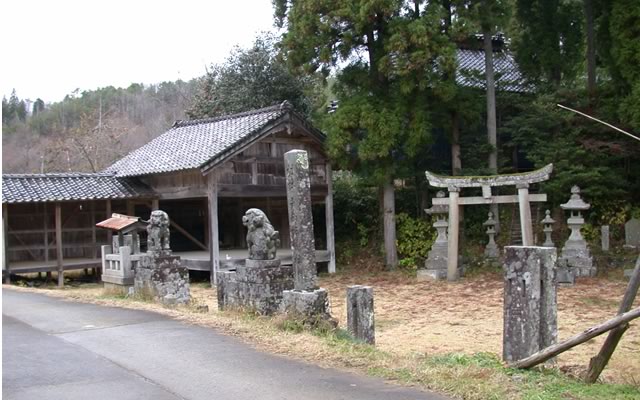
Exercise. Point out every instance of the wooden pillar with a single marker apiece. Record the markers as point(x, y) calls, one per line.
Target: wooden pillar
point(94, 241)
point(328, 203)
point(109, 232)
point(454, 231)
point(46, 232)
point(155, 204)
point(131, 208)
point(525, 214)
point(59, 245)
point(214, 249)
point(5, 242)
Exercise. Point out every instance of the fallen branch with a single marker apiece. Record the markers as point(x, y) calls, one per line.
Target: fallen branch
point(597, 363)
point(552, 351)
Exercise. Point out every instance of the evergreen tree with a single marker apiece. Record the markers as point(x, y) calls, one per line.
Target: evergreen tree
point(38, 107)
point(395, 55)
point(252, 78)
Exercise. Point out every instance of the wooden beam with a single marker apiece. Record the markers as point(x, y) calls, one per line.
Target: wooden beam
point(254, 173)
point(573, 341)
point(328, 210)
point(187, 234)
point(598, 362)
point(59, 260)
point(214, 245)
point(5, 244)
point(155, 204)
point(468, 201)
point(228, 190)
point(131, 208)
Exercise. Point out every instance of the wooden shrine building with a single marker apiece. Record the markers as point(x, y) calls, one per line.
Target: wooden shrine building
point(204, 173)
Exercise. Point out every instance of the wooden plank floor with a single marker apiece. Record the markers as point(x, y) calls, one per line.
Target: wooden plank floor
point(194, 260)
point(23, 267)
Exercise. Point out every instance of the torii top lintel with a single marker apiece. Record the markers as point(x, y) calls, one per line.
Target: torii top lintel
point(539, 175)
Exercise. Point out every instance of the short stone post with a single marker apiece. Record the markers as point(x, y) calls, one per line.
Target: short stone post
point(575, 252)
point(360, 315)
point(491, 250)
point(604, 237)
point(547, 224)
point(530, 302)
point(435, 266)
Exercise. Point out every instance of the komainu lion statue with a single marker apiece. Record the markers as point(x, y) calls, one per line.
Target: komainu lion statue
point(262, 239)
point(158, 232)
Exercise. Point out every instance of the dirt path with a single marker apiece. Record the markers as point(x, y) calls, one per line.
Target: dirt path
point(466, 317)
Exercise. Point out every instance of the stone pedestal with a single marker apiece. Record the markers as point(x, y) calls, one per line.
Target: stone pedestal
point(360, 314)
point(257, 286)
point(162, 277)
point(530, 301)
point(308, 305)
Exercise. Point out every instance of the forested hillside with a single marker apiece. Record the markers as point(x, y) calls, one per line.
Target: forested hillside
point(87, 131)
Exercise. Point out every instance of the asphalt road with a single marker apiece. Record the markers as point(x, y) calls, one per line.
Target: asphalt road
point(53, 349)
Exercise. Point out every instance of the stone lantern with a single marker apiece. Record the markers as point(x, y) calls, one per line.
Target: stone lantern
point(547, 223)
point(491, 251)
point(435, 266)
point(575, 252)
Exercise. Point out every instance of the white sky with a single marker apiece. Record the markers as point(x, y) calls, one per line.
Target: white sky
point(50, 48)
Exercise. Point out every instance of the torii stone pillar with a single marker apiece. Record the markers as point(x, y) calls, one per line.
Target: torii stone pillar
point(455, 183)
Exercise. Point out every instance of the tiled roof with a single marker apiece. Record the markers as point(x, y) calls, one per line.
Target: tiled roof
point(25, 188)
point(192, 144)
point(471, 71)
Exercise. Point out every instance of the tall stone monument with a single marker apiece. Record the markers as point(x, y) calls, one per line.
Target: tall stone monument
point(256, 286)
point(306, 299)
point(575, 253)
point(435, 266)
point(160, 274)
point(530, 301)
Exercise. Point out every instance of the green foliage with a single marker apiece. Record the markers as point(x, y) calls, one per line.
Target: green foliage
point(252, 78)
point(548, 39)
point(355, 209)
point(415, 238)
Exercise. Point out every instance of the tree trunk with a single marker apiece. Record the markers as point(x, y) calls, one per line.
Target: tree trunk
point(390, 250)
point(456, 160)
point(591, 49)
point(492, 135)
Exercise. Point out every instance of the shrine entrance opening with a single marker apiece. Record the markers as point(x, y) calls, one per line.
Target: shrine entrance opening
point(455, 183)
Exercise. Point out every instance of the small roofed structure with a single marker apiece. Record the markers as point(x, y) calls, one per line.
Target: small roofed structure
point(205, 173)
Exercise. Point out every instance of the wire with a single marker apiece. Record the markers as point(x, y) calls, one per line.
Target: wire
point(597, 120)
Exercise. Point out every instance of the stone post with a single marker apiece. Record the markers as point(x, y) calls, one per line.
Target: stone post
point(491, 250)
point(306, 300)
point(604, 237)
point(360, 315)
point(296, 164)
point(530, 305)
point(547, 223)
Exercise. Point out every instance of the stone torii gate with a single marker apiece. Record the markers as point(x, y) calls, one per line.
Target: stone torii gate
point(454, 201)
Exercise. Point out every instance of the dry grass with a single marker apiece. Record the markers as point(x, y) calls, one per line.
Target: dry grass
point(436, 335)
